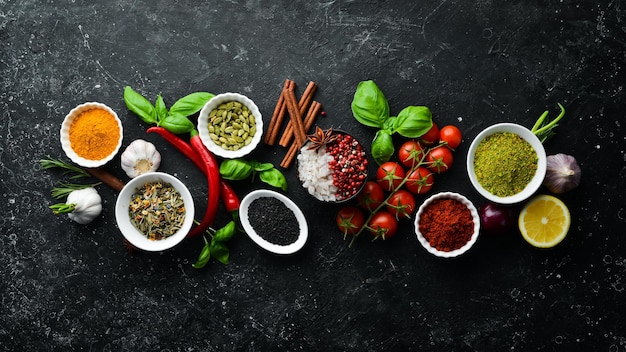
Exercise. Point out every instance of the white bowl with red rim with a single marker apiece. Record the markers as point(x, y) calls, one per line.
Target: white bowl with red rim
point(473, 214)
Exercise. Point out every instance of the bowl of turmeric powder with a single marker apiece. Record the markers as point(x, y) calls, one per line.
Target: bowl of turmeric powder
point(91, 134)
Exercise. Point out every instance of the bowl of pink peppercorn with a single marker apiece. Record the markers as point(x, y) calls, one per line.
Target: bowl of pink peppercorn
point(332, 166)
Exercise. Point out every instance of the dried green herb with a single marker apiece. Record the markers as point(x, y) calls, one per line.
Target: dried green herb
point(504, 164)
point(157, 210)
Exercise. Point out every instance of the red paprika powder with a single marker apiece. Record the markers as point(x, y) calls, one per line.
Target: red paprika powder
point(446, 224)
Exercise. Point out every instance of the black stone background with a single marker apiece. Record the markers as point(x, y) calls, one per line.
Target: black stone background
point(65, 286)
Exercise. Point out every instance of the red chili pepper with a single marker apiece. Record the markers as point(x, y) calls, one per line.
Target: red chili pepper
point(213, 181)
point(230, 199)
point(179, 144)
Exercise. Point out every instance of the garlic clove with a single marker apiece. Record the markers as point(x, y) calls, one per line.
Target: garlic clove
point(140, 157)
point(562, 173)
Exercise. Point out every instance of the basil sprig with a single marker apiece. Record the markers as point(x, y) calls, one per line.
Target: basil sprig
point(216, 248)
point(241, 169)
point(371, 108)
point(175, 119)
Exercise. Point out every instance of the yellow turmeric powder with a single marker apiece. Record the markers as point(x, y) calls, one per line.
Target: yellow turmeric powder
point(94, 134)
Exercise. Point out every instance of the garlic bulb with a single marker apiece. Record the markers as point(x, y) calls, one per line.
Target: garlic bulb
point(87, 205)
point(562, 174)
point(140, 157)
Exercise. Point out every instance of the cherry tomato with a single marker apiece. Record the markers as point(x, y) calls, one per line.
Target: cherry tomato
point(431, 137)
point(350, 220)
point(420, 181)
point(451, 135)
point(383, 225)
point(439, 159)
point(401, 204)
point(410, 153)
point(371, 196)
point(389, 175)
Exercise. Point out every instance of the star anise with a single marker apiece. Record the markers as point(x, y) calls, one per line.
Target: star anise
point(321, 138)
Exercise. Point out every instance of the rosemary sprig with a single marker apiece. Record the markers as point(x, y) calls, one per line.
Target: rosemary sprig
point(65, 189)
point(69, 168)
point(543, 128)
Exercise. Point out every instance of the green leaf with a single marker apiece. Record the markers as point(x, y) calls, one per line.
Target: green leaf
point(275, 178)
point(219, 251)
point(191, 104)
point(413, 121)
point(369, 105)
point(260, 167)
point(160, 108)
point(382, 147)
point(139, 105)
point(235, 169)
point(177, 124)
point(226, 233)
point(204, 256)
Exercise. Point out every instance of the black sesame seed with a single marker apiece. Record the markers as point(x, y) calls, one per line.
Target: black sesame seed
point(273, 221)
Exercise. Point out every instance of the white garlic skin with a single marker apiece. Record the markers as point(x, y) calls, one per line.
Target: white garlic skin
point(562, 174)
point(88, 205)
point(140, 157)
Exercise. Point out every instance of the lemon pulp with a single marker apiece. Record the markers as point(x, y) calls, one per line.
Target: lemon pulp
point(544, 221)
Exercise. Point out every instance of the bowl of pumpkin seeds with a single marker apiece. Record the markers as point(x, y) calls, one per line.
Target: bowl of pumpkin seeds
point(230, 125)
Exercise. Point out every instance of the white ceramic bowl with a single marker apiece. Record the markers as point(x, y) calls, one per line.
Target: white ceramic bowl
point(130, 232)
point(271, 247)
point(475, 219)
point(65, 138)
point(203, 129)
point(531, 138)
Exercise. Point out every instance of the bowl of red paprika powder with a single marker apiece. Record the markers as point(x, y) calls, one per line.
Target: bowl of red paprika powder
point(447, 224)
point(91, 134)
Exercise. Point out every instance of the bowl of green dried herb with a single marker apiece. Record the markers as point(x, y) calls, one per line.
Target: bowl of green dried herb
point(273, 221)
point(154, 211)
point(506, 163)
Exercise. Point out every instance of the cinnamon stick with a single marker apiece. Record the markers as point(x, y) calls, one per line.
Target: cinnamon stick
point(303, 104)
point(106, 177)
point(295, 116)
point(308, 123)
point(277, 117)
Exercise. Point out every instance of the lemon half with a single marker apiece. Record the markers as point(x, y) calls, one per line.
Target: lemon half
point(544, 221)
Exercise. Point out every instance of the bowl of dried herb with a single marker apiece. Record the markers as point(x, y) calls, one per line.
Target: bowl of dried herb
point(506, 163)
point(154, 211)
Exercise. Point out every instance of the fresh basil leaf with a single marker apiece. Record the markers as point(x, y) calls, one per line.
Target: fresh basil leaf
point(235, 169)
point(177, 124)
point(369, 105)
point(219, 251)
point(191, 104)
point(204, 256)
point(136, 103)
point(225, 233)
point(160, 108)
point(275, 178)
point(413, 121)
point(260, 167)
point(390, 124)
point(382, 147)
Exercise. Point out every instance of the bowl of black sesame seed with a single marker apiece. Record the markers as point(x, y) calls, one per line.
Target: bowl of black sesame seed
point(273, 221)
